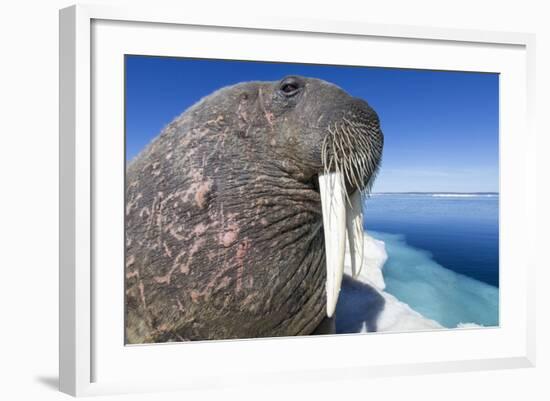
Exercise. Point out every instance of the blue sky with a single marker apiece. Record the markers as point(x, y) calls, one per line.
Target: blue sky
point(440, 128)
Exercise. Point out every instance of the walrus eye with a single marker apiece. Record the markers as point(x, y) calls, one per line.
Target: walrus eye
point(289, 87)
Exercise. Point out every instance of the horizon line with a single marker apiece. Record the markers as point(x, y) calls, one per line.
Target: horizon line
point(439, 192)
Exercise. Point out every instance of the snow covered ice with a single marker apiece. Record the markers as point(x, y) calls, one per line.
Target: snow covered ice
point(401, 288)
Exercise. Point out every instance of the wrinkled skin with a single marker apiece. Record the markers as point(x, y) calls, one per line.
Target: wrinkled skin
point(224, 231)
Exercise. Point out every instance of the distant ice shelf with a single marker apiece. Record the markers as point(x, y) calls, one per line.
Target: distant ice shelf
point(439, 194)
point(464, 195)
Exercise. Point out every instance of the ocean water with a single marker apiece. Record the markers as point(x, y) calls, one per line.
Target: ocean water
point(442, 253)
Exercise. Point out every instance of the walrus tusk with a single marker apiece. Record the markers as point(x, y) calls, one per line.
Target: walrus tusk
point(354, 229)
point(331, 187)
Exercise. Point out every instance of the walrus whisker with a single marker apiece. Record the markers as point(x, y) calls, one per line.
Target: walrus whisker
point(357, 171)
point(360, 155)
point(344, 161)
point(350, 153)
point(341, 162)
point(354, 155)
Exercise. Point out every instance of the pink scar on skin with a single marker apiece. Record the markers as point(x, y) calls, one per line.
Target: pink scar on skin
point(180, 305)
point(230, 235)
point(130, 260)
point(184, 267)
point(133, 274)
point(268, 115)
point(249, 299)
point(200, 229)
point(166, 278)
point(163, 327)
point(195, 296)
point(142, 293)
point(224, 283)
point(244, 246)
point(144, 211)
point(133, 203)
point(242, 250)
point(167, 250)
point(175, 233)
point(202, 192)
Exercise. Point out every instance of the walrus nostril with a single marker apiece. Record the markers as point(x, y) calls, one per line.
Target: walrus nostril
point(360, 110)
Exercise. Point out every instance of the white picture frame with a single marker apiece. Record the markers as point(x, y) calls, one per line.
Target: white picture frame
point(92, 38)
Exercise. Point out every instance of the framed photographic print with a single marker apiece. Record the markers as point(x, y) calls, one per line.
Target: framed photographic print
point(316, 199)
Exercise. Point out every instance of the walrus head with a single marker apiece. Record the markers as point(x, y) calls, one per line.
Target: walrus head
point(324, 137)
point(251, 172)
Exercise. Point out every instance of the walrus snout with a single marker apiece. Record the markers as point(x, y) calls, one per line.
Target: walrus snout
point(353, 145)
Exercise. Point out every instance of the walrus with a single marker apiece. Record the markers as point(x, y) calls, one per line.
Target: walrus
point(236, 215)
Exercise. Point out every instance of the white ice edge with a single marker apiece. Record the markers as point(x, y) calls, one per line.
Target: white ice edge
point(396, 315)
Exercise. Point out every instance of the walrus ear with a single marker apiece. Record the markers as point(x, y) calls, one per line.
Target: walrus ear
point(331, 188)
